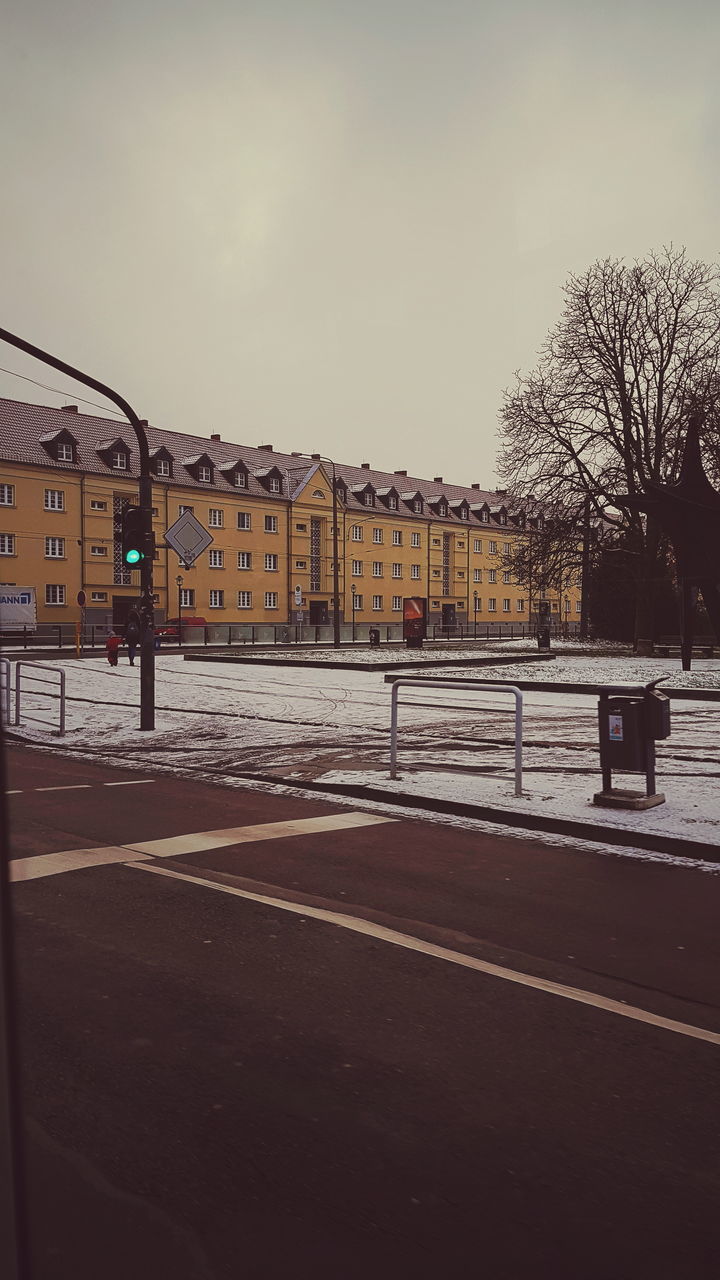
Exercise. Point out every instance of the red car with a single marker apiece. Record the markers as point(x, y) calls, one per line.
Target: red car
point(169, 629)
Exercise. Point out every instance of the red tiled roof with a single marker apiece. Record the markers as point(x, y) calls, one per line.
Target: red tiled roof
point(22, 424)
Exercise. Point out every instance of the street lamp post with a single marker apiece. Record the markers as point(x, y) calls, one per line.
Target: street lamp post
point(354, 593)
point(178, 582)
point(147, 641)
point(475, 614)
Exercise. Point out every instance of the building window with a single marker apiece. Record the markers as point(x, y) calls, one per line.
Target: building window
point(301, 528)
point(477, 575)
point(275, 485)
point(520, 606)
point(357, 601)
point(244, 599)
point(478, 604)
point(65, 453)
point(205, 475)
point(377, 535)
point(98, 597)
point(414, 539)
point(392, 502)
point(162, 467)
point(377, 569)
point(492, 575)
point(96, 550)
point(485, 517)
point(460, 546)
point(397, 537)
point(369, 499)
point(271, 524)
point(414, 570)
point(436, 542)
point(301, 564)
point(578, 606)
point(55, 548)
point(396, 570)
point(119, 460)
point(492, 604)
point(271, 563)
point(271, 599)
point(357, 568)
point(567, 606)
point(477, 545)
point(397, 604)
point(7, 495)
point(187, 597)
point(96, 505)
point(244, 559)
point(217, 599)
point(417, 506)
point(215, 518)
point(54, 594)
point(182, 510)
point(216, 559)
point(243, 520)
point(54, 499)
point(493, 548)
point(377, 603)
point(461, 573)
point(442, 509)
point(506, 548)
point(7, 544)
point(506, 606)
point(239, 479)
point(506, 575)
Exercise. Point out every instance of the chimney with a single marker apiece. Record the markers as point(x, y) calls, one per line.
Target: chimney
point(365, 466)
point(437, 479)
point(144, 422)
point(267, 447)
point(69, 408)
point(315, 457)
point(296, 454)
point(215, 437)
point(399, 473)
point(501, 493)
point(474, 486)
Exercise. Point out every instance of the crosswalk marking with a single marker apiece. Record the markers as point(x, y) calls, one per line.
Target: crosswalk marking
point(54, 864)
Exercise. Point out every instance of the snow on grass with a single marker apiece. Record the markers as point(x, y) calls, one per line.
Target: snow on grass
point(222, 721)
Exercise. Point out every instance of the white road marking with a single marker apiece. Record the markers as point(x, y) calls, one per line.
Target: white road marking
point(135, 782)
point(199, 841)
point(357, 925)
point(76, 786)
point(54, 864)
point(13, 793)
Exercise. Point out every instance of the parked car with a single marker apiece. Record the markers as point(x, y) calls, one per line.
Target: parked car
point(169, 629)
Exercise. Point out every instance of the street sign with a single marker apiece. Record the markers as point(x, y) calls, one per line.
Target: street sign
point(298, 597)
point(188, 537)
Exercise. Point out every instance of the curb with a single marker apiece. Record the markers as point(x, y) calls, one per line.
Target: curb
point(677, 846)
point(372, 666)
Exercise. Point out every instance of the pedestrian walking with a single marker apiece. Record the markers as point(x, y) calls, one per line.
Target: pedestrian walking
point(132, 635)
point(112, 644)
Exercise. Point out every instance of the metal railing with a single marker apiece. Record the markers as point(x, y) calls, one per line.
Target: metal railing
point(41, 666)
point(456, 684)
point(5, 683)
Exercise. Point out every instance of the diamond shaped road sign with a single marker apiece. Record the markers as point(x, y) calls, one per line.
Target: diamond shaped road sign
point(188, 537)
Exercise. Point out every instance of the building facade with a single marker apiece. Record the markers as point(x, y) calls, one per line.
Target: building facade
point(65, 477)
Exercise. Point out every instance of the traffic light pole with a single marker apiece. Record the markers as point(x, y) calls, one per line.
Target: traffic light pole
point(147, 644)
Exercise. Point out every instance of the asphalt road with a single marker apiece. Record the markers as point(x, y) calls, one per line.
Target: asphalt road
point(218, 1086)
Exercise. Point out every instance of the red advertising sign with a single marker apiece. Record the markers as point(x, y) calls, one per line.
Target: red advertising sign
point(414, 618)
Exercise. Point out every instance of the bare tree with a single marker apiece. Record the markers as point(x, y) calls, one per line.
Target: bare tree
point(636, 349)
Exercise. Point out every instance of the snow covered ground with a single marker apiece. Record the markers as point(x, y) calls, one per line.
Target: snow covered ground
point(225, 721)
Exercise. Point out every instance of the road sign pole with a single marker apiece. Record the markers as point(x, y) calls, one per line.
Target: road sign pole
point(147, 641)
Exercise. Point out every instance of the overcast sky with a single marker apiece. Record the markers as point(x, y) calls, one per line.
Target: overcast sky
point(338, 225)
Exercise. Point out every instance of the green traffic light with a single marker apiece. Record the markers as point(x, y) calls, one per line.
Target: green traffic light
point(132, 557)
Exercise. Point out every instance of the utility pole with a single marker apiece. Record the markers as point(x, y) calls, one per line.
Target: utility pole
point(147, 642)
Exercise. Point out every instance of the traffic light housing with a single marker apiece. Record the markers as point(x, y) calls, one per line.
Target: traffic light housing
point(134, 541)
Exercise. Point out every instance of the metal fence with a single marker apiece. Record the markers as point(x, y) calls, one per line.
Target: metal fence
point(59, 636)
point(57, 690)
point(5, 683)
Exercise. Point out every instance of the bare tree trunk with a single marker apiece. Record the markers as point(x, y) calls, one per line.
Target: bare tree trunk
point(648, 572)
point(585, 579)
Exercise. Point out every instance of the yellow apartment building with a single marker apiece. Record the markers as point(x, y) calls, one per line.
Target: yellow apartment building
point(65, 476)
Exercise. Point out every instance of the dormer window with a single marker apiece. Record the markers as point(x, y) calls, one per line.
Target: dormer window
point(275, 485)
point(369, 498)
point(485, 516)
point(115, 454)
point(61, 445)
point(204, 473)
point(163, 467)
point(200, 467)
point(235, 473)
point(161, 462)
point(119, 460)
point(270, 478)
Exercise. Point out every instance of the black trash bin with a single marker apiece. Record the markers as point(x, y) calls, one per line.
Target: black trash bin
point(629, 725)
